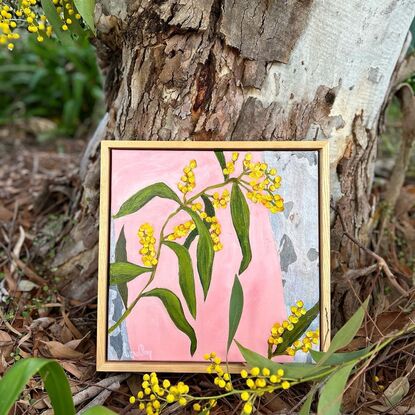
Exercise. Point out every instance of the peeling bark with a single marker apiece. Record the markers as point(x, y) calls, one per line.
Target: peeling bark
point(262, 70)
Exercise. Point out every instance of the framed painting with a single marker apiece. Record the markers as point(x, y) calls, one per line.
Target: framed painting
point(206, 244)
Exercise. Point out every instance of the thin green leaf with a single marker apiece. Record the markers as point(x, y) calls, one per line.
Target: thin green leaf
point(305, 409)
point(293, 371)
point(121, 248)
point(346, 334)
point(240, 219)
point(186, 277)
point(332, 392)
point(121, 256)
point(52, 15)
point(122, 272)
point(86, 10)
point(289, 337)
point(210, 211)
point(98, 410)
point(143, 196)
point(53, 376)
point(235, 310)
point(175, 310)
point(340, 358)
point(221, 159)
point(204, 252)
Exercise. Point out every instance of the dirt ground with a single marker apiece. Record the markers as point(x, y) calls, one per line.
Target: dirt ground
point(38, 187)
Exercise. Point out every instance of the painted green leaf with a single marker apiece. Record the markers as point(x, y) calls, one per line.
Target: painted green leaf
point(143, 196)
point(289, 337)
point(86, 10)
point(175, 310)
point(293, 371)
point(235, 310)
point(210, 211)
point(332, 392)
point(240, 220)
point(305, 409)
point(14, 382)
point(204, 252)
point(221, 159)
point(346, 334)
point(340, 358)
point(121, 256)
point(123, 272)
point(186, 277)
point(56, 22)
point(121, 248)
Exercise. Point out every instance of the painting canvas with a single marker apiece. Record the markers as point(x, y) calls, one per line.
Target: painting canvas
point(190, 232)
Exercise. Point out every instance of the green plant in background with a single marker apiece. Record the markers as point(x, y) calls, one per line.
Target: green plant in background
point(56, 385)
point(256, 179)
point(53, 81)
point(57, 80)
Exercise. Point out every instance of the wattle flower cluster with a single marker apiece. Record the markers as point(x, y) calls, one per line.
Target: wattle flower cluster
point(260, 382)
point(28, 15)
point(278, 329)
point(214, 229)
point(263, 182)
point(305, 344)
point(147, 241)
point(156, 395)
point(188, 181)
point(181, 230)
point(221, 201)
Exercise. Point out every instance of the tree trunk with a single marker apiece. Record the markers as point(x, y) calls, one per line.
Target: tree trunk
point(247, 70)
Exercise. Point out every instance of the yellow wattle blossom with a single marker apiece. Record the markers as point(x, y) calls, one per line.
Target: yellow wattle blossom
point(182, 230)
point(156, 394)
point(215, 230)
point(147, 241)
point(221, 201)
point(28, 15)
point(188, 180)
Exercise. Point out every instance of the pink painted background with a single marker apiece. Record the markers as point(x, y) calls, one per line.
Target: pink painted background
point(151, 334)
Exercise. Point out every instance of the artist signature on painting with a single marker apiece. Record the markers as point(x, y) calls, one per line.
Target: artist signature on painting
point(141, 353)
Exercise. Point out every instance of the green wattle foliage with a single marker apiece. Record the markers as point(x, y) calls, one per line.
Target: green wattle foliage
point(240, 219)
point(143, 196)
point(123, 272)
point(235, 310)
point(186, 276)
point(175, 310)
point(204, 252)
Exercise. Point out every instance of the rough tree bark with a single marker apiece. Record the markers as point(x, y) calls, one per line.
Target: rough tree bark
point(247, 70)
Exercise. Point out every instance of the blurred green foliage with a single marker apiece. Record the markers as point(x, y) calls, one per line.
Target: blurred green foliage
point(53, 81)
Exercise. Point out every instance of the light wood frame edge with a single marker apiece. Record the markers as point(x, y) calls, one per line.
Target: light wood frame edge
point(102, 364)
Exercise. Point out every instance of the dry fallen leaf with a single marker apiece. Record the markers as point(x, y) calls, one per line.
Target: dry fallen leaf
point(61, 351)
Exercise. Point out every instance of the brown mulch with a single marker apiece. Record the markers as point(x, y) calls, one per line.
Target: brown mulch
point(37, 183)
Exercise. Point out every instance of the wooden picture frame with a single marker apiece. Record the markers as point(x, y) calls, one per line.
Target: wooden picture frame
point(107, 147)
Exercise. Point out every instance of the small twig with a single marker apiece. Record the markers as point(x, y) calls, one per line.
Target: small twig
point(93, 391)
point(30, 274)
point(381, 262)
point(101, 398)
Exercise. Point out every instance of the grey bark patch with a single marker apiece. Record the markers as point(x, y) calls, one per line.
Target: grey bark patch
point(311, 156)
point(287, 208)
point(117, 345)
point(374, 75)
point(288, 255)
point(264, 30)
point(312, 254)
